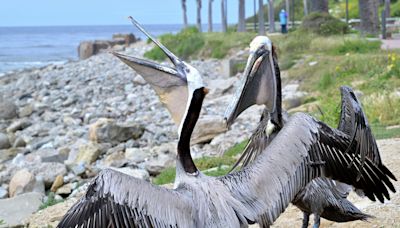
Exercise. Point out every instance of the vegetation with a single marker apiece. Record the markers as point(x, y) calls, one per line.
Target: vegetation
point(191, 43)
point(221, 164)
point(2, 222)
point(50, 201)
point(323, 24)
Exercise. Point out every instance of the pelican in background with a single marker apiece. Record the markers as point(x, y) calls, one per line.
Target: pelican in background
point(321, 197)
point(114, 199)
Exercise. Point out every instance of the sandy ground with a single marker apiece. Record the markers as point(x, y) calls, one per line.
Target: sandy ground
point(387, 214)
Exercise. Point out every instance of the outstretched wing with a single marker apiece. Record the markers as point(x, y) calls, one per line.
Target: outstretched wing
point(354, 123)
point(256, 144)
point(311, 149)
point(115, 199)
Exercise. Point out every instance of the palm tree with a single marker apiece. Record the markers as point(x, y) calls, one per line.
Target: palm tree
point(305, 7)
point(271, 16)
point(368, 10)
point(198, 14)
point(224, 19)
point(241, 22)
point(210, 25)
point(319, 6)
point(185, 21)
point(261, 26)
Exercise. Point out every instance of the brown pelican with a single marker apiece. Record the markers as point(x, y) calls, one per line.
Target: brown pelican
point(259, 193)
point(322, 197)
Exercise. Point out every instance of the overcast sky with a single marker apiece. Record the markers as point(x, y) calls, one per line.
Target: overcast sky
point(106, 12)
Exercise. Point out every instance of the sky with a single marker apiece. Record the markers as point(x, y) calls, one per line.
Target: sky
point(106, 12)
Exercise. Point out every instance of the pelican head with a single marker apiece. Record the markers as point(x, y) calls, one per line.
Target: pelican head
point(180, 89)
point(258, 85)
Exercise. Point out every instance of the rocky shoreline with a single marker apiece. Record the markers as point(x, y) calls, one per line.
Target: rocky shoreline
point(61, 124)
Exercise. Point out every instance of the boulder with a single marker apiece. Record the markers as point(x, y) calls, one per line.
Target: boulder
point(15, 211)
point(3, 193)
point(164, 156)
point(8, 109)
point(85, 49)
point(26, 111)
point(18, 125)
point(58, 182)
point(4, 141)
point(108, 131)
point(115, 159)
point(24, 181)
point(136, 155)
point(126, 38)
point(88, 153)
point(49, 171)
point(207, 128)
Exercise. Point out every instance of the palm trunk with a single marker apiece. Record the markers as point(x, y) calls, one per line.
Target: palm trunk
point(305, 7)
point(387, 8)
point(287, 12)
point(224, 21)
point(185, 21)
point(261, 26)
point(271, 16)
point(368, 10)
point(241, 22)
point(199, 15)
point(319, 6)
point(210, 24)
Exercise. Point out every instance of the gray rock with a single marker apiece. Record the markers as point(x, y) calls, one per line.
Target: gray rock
point(18, 125)
point(207, 128)
point(26, 111)
point(115, 160)
point(8, 109)
point(14, 211)
point(23, 181)
point(49, 171)
point(108, 131)
point(3, 193)
point(78, 169)
point(4, 141)
point(136, 155)
point(19, 142)
point(164, 157)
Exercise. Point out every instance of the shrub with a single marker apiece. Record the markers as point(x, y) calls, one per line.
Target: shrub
point(323, 24)
point(184, 44)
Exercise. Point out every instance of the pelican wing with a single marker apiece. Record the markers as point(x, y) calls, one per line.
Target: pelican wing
point(114, 199)
point(256, 144)
point(311, 149)
point(353, 122)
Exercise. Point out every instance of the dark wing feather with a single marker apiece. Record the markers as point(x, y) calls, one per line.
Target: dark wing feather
point(353, 122)
point(114, 199)
point(311, 150)
point(256, 144)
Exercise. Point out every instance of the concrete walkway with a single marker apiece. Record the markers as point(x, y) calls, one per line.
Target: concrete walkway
point(393, 43)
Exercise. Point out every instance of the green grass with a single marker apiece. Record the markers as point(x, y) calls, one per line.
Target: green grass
point(190, 43)
point(205, 163)
point(50, 201)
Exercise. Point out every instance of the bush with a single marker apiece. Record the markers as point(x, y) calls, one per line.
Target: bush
point(184, 44)
point(324, 24)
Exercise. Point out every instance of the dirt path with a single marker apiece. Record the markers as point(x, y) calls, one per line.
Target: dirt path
point(387, 214)
point(390, 44)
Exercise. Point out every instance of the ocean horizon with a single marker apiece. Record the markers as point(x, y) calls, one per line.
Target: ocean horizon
point(37, 46)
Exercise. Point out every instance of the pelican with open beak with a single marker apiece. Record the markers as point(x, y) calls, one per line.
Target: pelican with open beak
point(258, 85)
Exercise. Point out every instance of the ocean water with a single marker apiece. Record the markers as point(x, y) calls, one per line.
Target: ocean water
point(25, 47)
